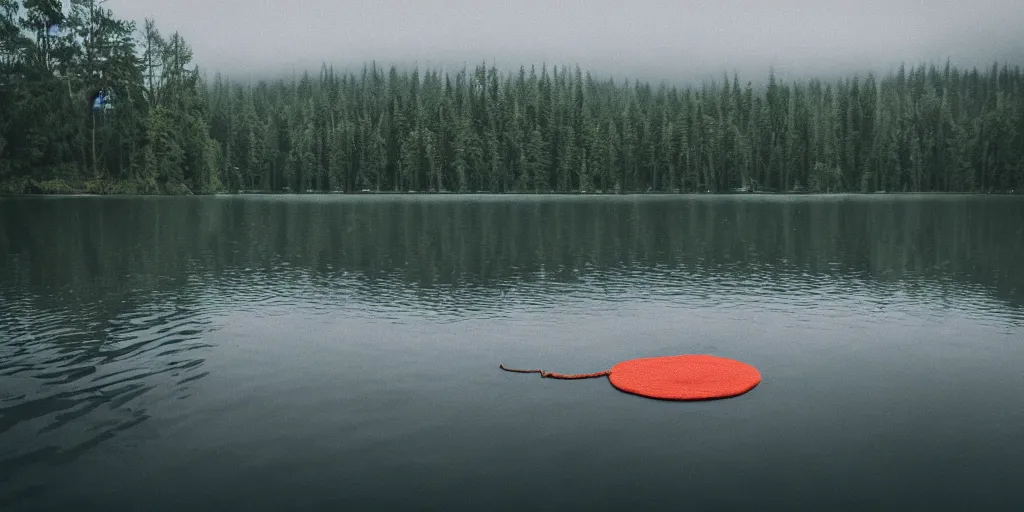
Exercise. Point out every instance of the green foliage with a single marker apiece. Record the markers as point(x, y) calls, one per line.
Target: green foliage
point(154, 140)
point(921, 129)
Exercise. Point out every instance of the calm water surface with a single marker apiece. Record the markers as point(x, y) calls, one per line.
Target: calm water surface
point(269, 353)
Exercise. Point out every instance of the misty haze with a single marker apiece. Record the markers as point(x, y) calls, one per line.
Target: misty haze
point(679, 41)
point(586, 255)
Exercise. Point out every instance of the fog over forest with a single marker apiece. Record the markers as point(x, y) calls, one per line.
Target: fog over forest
point(174, 97)
point(678, 41)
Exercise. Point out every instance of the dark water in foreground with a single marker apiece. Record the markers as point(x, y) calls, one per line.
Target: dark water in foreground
point(269, 353)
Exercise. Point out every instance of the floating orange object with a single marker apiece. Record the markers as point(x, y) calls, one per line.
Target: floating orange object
point(687, 377)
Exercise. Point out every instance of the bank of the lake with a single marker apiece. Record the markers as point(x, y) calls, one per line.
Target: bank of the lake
point(95, 187)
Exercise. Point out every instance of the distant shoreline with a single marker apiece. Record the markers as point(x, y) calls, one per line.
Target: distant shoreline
point(28, 188)
point(539, 194)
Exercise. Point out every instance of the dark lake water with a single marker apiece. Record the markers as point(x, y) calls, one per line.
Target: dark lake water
point(271, 353)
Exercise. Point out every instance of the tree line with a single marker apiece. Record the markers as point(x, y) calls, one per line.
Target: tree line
point(554, 129)
point(54, 58)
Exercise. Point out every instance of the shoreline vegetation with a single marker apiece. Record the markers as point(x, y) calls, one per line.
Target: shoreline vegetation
point(67, 191)
point(169, 130)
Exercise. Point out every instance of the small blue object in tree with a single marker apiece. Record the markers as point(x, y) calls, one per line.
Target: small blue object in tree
point(53, 30)
point(103, 101)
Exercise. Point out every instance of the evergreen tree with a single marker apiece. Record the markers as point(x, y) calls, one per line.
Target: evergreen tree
point(169, 131)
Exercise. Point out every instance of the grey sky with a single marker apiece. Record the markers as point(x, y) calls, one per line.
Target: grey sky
point(675, 40)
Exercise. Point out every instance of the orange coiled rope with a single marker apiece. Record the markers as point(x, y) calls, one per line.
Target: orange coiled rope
point(685, 377)
point(564, 376)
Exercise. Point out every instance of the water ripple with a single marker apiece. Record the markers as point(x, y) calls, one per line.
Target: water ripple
point(128, 335)
point(762, 287)
point(71, 383)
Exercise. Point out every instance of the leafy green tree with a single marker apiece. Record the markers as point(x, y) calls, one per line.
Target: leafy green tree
point(545, 128)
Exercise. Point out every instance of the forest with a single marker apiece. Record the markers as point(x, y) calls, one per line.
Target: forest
point(168, 128)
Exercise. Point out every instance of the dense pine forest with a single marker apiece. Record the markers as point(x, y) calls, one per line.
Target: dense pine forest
point(167, 129)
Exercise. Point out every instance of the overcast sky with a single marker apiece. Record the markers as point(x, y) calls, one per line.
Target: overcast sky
point(676, 40)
